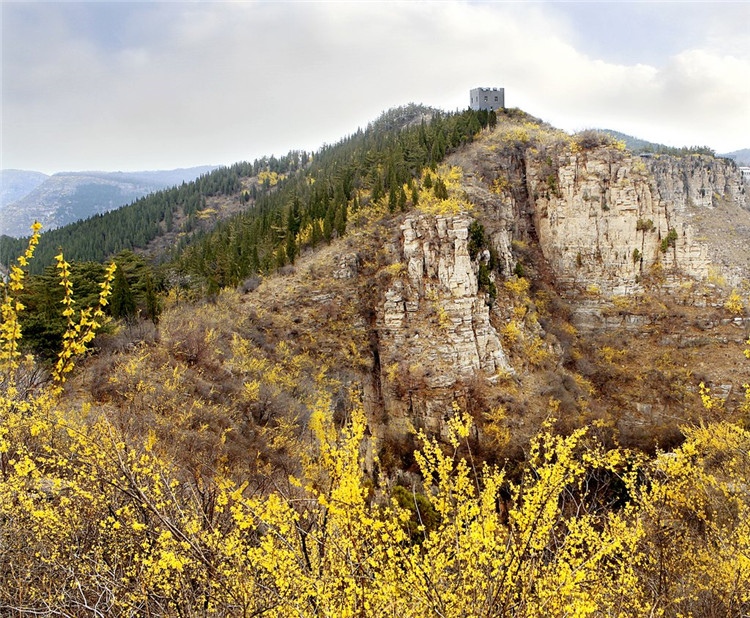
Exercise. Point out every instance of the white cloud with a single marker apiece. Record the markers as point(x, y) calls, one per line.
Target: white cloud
point(184, 84)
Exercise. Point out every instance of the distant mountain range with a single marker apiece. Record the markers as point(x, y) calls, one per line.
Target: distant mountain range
point(15, 184)
point(66, 197)
point(741, 156)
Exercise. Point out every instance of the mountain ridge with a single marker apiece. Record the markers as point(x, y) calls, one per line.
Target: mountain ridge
point(742, 156)
point(66, 197)
point(16, 184)
point(526, 265)
point(642, 146)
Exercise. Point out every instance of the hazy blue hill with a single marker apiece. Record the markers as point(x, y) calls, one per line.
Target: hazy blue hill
point(162, 178)
point(741, 156)
point(69, 196)
point(15, 184)
point(172, 211)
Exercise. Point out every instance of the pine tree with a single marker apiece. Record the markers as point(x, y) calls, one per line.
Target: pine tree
point(316, 233)
point(152, 303)
point(440, 190)
point(402, 199)
point(122, 303)
point(168, 219)
point(254, 260)
point(339, 222)
point(328, 228)
point(377, 191)
point(280, 257)
point(291, 248)
point(294, 217)
point(392, 199)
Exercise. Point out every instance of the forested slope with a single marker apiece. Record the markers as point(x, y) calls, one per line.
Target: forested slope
point(292, 193)
point(129, 227)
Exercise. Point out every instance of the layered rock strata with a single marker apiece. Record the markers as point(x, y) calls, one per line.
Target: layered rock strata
point(434, 323)
point(607, 219)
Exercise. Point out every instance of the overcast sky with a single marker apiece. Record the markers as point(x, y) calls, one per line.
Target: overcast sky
point(139, 85)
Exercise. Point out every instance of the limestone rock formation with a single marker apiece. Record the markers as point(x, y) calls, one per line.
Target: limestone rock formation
point(347, 266)
point(697, 181)
point(609, 218)
point(434, 323)
point(440, 291)
point(605, 219)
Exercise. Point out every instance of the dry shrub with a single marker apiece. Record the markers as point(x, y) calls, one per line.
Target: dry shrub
point(190, 346)
point(396, 453)
point(102, 389)
point(126, 336)
point(250, 284)
point(591, 138)
point(287, 270)
point(561, 387)
point(479, 396)
point(409, 379)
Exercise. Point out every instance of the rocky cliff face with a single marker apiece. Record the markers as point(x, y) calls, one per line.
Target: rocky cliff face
point(605, 232)
point(607, 219)
point(710, 196)
point(696, 181)
point(434, 324)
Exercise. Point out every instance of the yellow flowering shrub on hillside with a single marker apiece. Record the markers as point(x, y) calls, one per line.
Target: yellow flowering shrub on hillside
point(521, 333)
point(734, 304)
point(95, 524)
point(454, 203)
point(270, 179)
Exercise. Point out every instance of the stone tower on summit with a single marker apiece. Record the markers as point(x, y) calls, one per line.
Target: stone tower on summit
point(487, 98)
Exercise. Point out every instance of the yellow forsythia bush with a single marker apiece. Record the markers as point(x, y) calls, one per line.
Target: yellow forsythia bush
point(92, 524)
